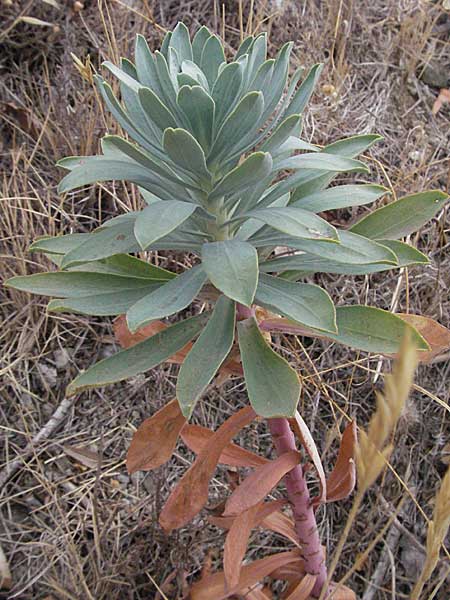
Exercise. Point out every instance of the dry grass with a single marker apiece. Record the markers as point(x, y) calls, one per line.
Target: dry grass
point(71, 528)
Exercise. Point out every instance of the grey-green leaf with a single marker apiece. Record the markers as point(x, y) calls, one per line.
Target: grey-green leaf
point(116, 239)
point(295, 222)
point(180, 42)
point(302, 302)
point(212, 58)
point(304, 92)
point(103, 305)
point(254, 168)
point(305, 263)
point(141, 357)
point(373, 329)
point(232, 266)
point(206, 356)
point(126, 266)
point(341, 196)
point(242, 120)
point(273, 386)
point(186, 152)
point(61, 284)
point(60, 244)
point(199, 107)
point(402, 217)
point(198, 43)
point(168, 299)
point(352, 249)
point(159, 219)
point(321, 161)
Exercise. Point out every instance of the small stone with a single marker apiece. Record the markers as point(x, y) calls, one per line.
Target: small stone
point(48, 373)
point(61, 358)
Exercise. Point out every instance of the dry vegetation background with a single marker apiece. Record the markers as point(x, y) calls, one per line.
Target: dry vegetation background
point(75, 525)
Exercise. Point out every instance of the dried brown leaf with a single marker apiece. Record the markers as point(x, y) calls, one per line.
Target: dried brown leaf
point(257, 593)
point(196, 437)
point(282, 524)
point(127, 339)
point(264, 509)
point(342, 479)
point(291, 572)
point(437, 336)
point(191, 493)
point(155, 440)
point(443, 98)
point(214, 586)
point(303, 589)
point(236, 544)
point(259, 483)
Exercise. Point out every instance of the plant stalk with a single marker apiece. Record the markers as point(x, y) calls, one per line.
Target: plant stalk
point(298, 495)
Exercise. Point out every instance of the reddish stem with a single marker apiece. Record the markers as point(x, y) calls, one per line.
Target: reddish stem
point(298, 494)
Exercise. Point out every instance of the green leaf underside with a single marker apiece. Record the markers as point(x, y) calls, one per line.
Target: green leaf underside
point(322, 161)
point(351, 249)
point(402, 217)
point(140, 358)
point(160, 219)
point(206, 356)
point(295, 222)
point(373, 329)
point(102, 305)
point(63, 284)
point(232, 266)
point(302, 302)
point(309, 263)
point(366, 328)
point(273, 386)
point(170, 298)
point(341, 196)
point(60, 244)
point(116, 239)
point(127, 266)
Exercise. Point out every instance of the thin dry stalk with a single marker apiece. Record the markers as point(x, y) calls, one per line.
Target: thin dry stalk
point(437, 530)
point(372, 452)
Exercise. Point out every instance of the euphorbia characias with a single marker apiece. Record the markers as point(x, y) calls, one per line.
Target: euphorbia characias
point(215, 148)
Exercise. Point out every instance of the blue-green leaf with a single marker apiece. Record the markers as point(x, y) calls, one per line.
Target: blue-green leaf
point(140, 358)
point(232, 266)
point(206, 356)
point(167, 300)
point(302, 302)
point(273, 386)
point(402, 217)
point(159, 219)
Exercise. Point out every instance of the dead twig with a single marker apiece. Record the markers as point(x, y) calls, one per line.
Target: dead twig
point(52, 424)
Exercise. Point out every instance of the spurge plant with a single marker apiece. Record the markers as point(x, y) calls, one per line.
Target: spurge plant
point(215, 149)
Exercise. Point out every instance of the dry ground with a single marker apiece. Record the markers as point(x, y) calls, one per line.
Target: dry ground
point(80, 527)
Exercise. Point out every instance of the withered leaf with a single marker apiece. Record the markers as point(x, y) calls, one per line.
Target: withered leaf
point(214, 586)
point(342, 479)
point(264, 509)
point(196, 437)
point(191, 493)
point(282, 524)
point(303, 589)
point(236, 544)
point(258, 484)
point(437, 336)
point(155, 440)
point(127, 339)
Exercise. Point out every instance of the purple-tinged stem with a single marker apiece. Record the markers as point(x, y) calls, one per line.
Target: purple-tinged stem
point(298, 494)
